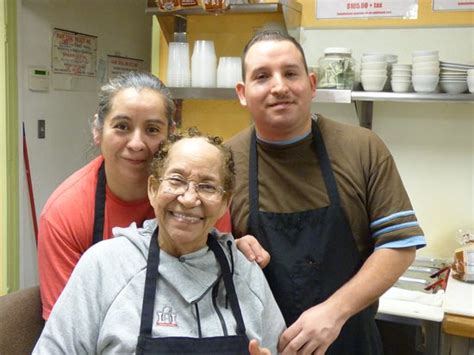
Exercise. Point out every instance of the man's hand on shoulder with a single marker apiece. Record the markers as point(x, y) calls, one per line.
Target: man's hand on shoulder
point(253, 251)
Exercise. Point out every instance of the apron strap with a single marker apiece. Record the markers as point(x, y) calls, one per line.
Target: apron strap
point(228, 283)
point(326, 170)
point(99, 206)
point(149, 293)
point(253, 185)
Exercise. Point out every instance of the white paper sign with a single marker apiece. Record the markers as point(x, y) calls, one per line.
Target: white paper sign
point(117, 65)
point(342, 9)
point(74, 53)
point(453, 5)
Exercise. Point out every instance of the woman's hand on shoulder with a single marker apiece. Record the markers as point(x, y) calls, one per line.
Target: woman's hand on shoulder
point(253, 250)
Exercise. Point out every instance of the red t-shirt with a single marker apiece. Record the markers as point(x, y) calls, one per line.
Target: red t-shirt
point(66, 227)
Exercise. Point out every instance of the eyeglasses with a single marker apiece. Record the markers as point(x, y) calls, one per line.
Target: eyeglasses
point(206, 191)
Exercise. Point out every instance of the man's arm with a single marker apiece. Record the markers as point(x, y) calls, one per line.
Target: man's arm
point(317, 328)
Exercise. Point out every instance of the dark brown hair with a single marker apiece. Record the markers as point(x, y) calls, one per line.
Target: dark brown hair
point(271, 35)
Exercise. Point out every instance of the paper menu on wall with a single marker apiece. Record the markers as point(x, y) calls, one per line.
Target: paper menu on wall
point(346, 9)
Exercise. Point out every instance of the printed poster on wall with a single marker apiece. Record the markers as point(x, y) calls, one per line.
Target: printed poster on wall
point(74, 53)
point(117, 65)
point(453, 5)
point(347, 9)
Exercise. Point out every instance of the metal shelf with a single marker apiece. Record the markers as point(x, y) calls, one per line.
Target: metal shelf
point(363, 100)
point(327, 95)
point(233, 9)
point(188, 93)
point(410, 97)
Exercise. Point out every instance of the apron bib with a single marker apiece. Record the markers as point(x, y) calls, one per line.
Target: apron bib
point(226, 345)
point(313, 253)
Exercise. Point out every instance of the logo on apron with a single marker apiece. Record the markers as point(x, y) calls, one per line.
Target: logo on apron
point(166, 317)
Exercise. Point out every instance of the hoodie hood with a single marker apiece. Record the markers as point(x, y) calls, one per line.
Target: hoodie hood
point(193, 274)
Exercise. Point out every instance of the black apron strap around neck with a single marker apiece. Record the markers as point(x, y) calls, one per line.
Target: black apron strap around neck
point(228, 283)
point(149, 293)
point(253, 184)
point(99, 206)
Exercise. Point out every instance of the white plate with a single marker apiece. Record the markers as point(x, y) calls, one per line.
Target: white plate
point(453, 73)
point(449, 77)
point(456, 65)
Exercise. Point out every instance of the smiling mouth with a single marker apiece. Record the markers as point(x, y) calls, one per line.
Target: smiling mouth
point(280, 104)
point(181, 217)
point(135, 161)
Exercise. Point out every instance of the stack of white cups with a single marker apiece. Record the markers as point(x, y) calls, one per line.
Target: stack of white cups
point(425, 73)
point(203, 64)
point(179, 74)
point(229, 72)
point(470, 80)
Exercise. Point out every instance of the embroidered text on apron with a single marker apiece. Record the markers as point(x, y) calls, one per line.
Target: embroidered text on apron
point(313, 253)
point(225, 345)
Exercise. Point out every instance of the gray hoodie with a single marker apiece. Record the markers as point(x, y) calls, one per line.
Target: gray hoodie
point(99, 310)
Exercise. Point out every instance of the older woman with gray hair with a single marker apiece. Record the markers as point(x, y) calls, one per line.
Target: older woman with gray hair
point(135, 114)
point(177, 285)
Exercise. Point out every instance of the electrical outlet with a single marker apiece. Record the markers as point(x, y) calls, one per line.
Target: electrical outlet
point(41, 129)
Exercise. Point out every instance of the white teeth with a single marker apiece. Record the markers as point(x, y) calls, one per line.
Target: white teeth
point(183, 217)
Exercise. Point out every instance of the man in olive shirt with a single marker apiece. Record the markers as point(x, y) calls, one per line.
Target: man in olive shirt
point(324, 199)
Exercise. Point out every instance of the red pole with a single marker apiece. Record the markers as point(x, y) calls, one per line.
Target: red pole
point(30, 185)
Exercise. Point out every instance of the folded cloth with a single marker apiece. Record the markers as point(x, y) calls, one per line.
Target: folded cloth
point(431, 299)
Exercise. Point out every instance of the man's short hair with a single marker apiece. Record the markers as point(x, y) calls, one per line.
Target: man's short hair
point(271, 35)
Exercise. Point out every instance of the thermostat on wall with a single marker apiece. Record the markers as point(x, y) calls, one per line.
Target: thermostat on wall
point(38, 78)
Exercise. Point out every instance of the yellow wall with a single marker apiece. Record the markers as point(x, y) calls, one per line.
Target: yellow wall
point(230, 33)
point(3, 159)
point(9, 266)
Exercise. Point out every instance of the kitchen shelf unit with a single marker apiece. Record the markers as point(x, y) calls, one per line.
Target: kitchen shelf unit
point(363, 100)
point(169, 21)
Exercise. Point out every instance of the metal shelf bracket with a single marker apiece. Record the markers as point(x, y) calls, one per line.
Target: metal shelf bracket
point(364, 110)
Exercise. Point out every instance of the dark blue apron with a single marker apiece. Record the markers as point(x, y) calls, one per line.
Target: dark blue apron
point(313, 253)
point(225, 345)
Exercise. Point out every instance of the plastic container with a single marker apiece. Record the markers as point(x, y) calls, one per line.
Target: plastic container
point(336, 69)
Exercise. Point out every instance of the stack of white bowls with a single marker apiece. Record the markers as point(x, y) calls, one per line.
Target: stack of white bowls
point(470, 80)
point(401, 77)
point(425, 73)
point(453, 78)
point(391, 60)
point(373, 74)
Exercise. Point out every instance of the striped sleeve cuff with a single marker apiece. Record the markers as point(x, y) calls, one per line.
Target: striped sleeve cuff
point(398, 230)
point(417, 241)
